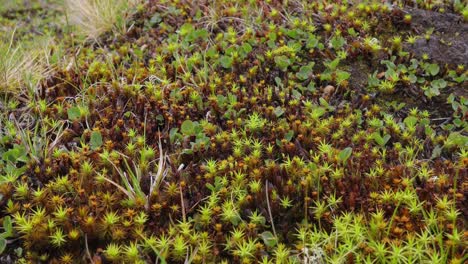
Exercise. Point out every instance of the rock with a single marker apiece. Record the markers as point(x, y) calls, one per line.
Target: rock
point(328, 91)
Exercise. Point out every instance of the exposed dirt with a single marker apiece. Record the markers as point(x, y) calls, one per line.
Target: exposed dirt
point(449, 33)
point(449, 41)
point(448, 44)
point(360, 71)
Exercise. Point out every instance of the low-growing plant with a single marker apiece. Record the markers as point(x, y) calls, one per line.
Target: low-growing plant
point(95, 17)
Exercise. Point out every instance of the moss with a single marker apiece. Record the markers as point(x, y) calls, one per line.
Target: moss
point(238, 133)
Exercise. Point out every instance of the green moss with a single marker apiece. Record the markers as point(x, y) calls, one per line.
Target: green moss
point(236, 133)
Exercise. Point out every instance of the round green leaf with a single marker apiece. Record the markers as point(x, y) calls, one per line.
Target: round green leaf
point(188, 128)
point(269, 239)
point(345, 154)
point(73, 113)
point(433, 69)
point(226, 62)
point(3, 244)
point(96, 140)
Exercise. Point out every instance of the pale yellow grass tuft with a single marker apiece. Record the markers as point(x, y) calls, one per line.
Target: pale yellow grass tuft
point(21, 66)
point(95, 17)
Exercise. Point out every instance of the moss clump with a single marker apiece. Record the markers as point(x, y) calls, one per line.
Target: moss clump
point(241, 133)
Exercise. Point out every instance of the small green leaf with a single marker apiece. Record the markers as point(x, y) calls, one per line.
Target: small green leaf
point(279, 111)
point(460, 78)
point(378, 138)
point(272, 35)
point(282, 62)
point(185, 29)
point(200, 33)
point(312, 42)
point(278, 82)
point(326, 75)
point(95, 140)
point(289, 135)
point(410, 121)
point(451, 99)
point(318, 112)
point(433, 69)
point(352, 32)
point(235, 220)
point(172, 134)
point(19, 252)
point(160, 118)
point(296, 94)
point(11, 155)
point(386, 138)
point(269, 239)
point(16, 154)
point(345, 154)
point(456, 139)
point(278, 143)
point(436, 152)
point(292, 33)
point(381, 141)
point(432, 91)
point(412, 78)
point(246, 47)
point(226, 61)
point(3, 244)
point(337, 42)
point(155, 19)
point(187, 151)
point(458, 122)
point(305, 71)
point(392, 75)
point(74, 113)
point(332, 64)
point(439, 83)
point(7, 226)
point(311, 87)
point(342, 76)
point(188, 128)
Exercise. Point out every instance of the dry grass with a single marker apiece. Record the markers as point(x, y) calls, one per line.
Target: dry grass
point(95, 17)
point(21, 65)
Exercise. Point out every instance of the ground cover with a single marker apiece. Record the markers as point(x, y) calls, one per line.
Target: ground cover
point(233, 132)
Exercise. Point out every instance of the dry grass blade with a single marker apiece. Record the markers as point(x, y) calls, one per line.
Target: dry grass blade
point(17, 64)
point(128, 193)
point(131, 185)
point(157, 178)
point(95, 17)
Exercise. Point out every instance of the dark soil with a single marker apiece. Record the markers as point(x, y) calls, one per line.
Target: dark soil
point(449, 41)
point(447, 44)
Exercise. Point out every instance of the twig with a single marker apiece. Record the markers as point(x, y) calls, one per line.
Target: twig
point(182, 203)
point(87, 249)
point(269, 208)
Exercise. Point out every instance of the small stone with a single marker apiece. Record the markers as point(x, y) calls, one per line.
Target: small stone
point(328, 90)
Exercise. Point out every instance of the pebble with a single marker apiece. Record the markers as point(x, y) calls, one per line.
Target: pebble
point(328, 90)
